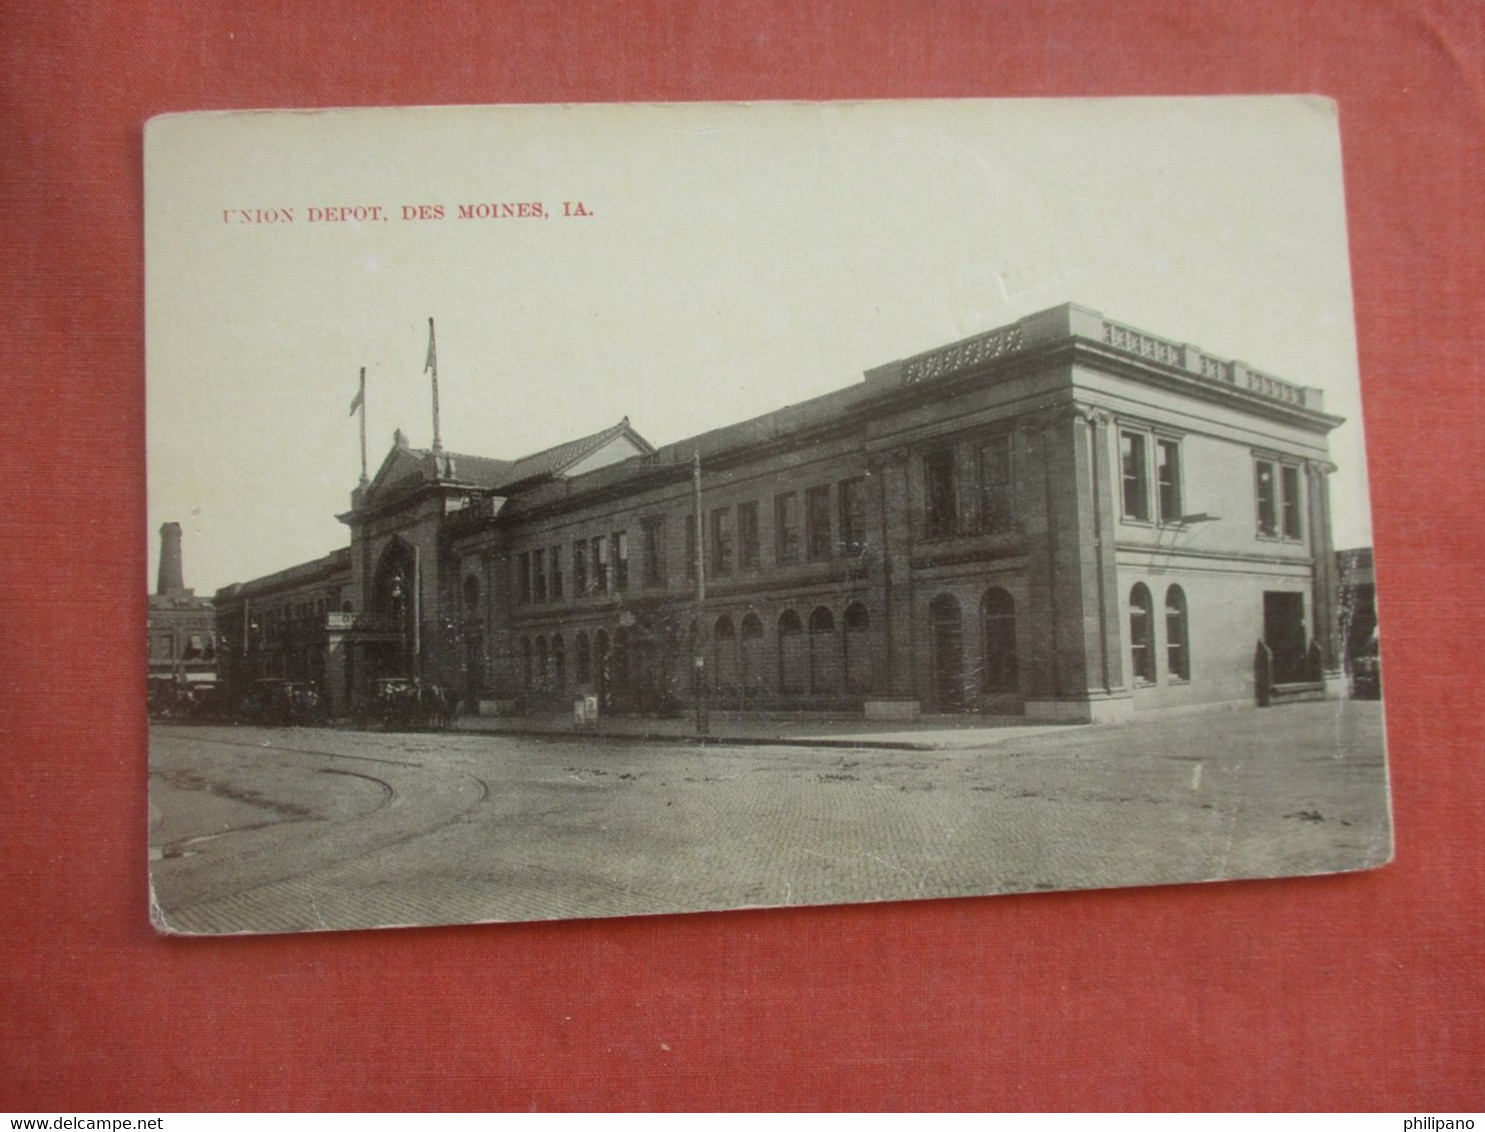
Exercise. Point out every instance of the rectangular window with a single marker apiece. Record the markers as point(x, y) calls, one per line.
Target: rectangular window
point(722, 541)
point(993, 469)
point(539, 575)
point(1266, 490)
point(556, 585)
point(1289, 484)
point(523, 577)
point(621, 560)
point(654, 561)
point(1136, 475)
point(747, 536)
point(1168, 480)
point(786, 528)
point(600, 565)
point(580, 567)
point(852, 493)
point(940, 501)
point(817, 522)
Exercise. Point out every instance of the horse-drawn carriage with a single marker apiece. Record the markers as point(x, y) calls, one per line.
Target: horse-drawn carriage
point(407, 705)
point(184, 701)
point(276, 702)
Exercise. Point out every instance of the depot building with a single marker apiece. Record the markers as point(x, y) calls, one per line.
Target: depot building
point(1064, 518)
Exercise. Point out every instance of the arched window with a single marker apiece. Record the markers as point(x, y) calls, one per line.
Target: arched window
point(1177, 652)
point(998, 623)
point(584, 660)
point(526, 662)
point(858, 648)
point(792, 658)
point(1141, 635)
point(752, 659)
point(559, 662)
point(471, 594)
point(543, 674)
point(619, 666)
point(824, 652)
point(948, 653)
point(724, 642)
point(601, 669)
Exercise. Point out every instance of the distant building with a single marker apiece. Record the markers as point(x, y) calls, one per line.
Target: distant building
point(182, 626)
point(1361, 656)
point(1065, 518)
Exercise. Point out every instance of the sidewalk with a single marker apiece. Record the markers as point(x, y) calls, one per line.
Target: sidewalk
point(794, 729)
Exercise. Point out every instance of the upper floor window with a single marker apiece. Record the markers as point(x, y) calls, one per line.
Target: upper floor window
point(786, 528)
point(600, 564)
point(523, 577)
point(817, 522)
point(539, 575)
point(1136, 475)
point(1289, 493)
point(747, 536)
point(940, 501)
point(652, 531)
point(994, 484)
point(722, 540)
point(621, 560)
point(556, 583)
point(580, 567)
point(1136, 450)
point(1168, 480)
point(852, 515)
point(1277, 495)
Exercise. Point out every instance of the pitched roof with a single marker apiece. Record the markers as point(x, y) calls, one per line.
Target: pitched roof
point(486, 471)
point(406, 467)
point(557, 459)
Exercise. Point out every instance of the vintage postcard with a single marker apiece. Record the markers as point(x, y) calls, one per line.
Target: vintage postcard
point(576, 511)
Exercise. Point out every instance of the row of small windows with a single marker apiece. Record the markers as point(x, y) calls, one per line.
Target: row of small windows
point(1142, 635)
point(1151, 490)
point(194, 646)
point(820, 660)
point(802, 528)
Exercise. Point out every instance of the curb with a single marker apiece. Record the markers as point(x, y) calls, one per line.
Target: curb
point(705, 740)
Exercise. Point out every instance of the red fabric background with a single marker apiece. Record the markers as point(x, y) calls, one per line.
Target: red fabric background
point(1359, 991)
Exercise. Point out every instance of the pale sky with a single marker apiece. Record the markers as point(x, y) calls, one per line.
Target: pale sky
point(737, 258)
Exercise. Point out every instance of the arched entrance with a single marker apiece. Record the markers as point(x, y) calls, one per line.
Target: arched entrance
point(947, 637)
point(394, 604)
point(998, 628)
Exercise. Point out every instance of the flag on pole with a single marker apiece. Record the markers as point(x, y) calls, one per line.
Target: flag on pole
point(360, 398)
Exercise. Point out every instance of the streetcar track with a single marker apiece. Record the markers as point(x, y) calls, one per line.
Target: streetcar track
point(303, 751)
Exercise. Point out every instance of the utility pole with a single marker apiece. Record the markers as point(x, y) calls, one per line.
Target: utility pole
point(700, 659)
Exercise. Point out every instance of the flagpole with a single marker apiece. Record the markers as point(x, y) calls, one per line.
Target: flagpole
point(362, 398)
point(432, 365)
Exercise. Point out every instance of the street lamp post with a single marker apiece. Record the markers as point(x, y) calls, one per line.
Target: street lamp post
point(702, 721)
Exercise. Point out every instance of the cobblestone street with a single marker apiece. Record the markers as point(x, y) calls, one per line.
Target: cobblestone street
point(301, 829)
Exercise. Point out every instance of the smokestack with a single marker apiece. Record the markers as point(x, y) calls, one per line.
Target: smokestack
point(171, 578)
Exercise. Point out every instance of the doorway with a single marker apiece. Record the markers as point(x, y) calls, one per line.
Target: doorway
point(1286, 636)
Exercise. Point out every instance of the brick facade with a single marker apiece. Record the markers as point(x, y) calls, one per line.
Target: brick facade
point(1064, 517)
